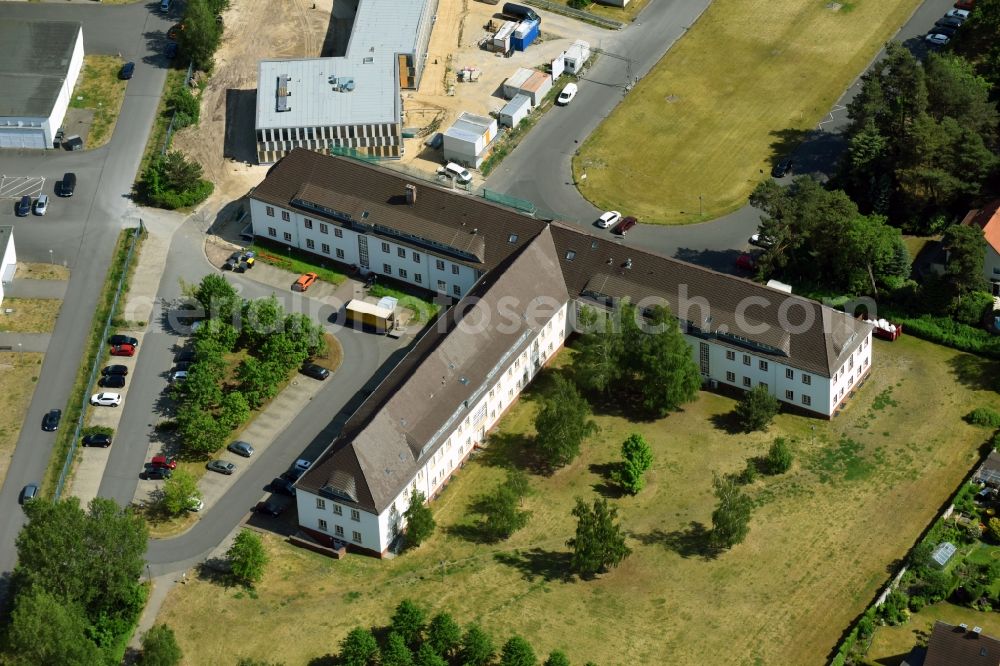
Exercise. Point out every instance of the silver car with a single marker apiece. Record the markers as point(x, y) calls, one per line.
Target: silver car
point(42, 204)
point(241, 448)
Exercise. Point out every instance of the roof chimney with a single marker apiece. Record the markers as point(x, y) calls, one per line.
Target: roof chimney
point(628, 263)
point(411, 194)
point(977, 630)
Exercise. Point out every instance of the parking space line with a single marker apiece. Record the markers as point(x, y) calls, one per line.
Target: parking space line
point(15, 187)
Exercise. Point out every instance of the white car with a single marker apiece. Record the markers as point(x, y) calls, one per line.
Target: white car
point(567, 94)
point(106, 399)
point(960, 14)
point(609, 219)
point(458, 172)
point(937, 39)
point(760, 240)
point(196, 504)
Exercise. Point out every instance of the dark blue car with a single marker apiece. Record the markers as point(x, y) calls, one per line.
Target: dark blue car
point(128, 69)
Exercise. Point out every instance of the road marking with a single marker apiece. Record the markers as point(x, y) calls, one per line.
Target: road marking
point(830, 118)
point(15, 187)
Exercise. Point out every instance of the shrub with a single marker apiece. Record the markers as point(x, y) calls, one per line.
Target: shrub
point(972, 308)
point(757, 409)
point(984, 416)
point(946, 331)
point(895, 609)
point(779, 457)
point(184, 106)
point(994, 529)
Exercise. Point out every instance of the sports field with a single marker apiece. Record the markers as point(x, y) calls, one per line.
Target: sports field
point(735, 92)
point(822, 539)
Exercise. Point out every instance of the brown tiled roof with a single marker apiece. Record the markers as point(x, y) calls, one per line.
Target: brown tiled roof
point(956, 646)
point(401, 424)
point(987, 218)
point(597, 267)
point(472, 225)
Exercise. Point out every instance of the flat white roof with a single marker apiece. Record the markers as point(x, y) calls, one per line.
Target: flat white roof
point(469, 127)
point(364, 307)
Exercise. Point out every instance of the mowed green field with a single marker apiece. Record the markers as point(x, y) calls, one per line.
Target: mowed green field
point(822, 539)
point(737, 90)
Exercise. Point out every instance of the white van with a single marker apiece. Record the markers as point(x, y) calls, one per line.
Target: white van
point(457, 172)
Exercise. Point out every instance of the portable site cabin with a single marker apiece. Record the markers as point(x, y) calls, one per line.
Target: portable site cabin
point(500, 42)
point(525, 33)
point(369, 316)
point(576, 55)
point(536, 87)
point(468, 140)
point(514, 111)
point(512, 86)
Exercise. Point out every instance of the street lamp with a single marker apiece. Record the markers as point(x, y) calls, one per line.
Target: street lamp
point(148, 574)
point(50, 257)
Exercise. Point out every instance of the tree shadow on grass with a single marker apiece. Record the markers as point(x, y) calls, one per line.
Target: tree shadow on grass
point(507, 449)
point(728, 423)
point(548, 565)
point(216, 570)
point(693, 541)
point(607, 487)
point(325, 660)
point(473, 532)
point(975, 372)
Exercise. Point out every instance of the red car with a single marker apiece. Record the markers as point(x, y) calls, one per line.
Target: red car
point(123, 350)
point(623, 226)
point(746, 262)
point(967, 5)
point(163, 461)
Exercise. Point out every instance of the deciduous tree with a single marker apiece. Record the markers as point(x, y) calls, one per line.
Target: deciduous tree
point(159, 647)
point(477, 647)
point(756, 409)
point(408, 622)
point(779, 457)
point(44, 629)
point(201, 34)
point(444, 635)
point(218, 298)
point(517, 652)
point(179, 492)
point(501, 514)
point(358, 648)
point(562, 423)
point(248, 557)
point(419, 520)
point(557, 658)
point(637, 458)
point(599, 542)
point(598, 363)
point(667, 373)
point(731, 518)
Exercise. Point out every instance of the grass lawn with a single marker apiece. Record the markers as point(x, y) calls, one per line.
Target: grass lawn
point(808, 567)
point(100, 90)
point(18, 376)
point(890, 645)
point(39, 271)
point(296, 261)
point(422, 309)
point(742, 87)
point(30, 315)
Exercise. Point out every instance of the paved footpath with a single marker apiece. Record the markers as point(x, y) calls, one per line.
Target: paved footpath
point(25, 342)
point(31, 288)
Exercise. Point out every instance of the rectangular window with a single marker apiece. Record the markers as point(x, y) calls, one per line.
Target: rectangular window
point(323, 228)
point(401, 252)
point(338, 530)
point(806, 400)
point(442, 286)
point(416, 257)
point(288, 237)
point(439, 264)
point(340, 253)
point(789, 395)
point(338, 232)
point(271, 231)
point(454, 269)
point(730, 376)
point(320, 503)
point(325, 247)
point(457, 290)
point(746, 359)
point(385, 247)
point(419, 278)
point(357, 537)
point(730, 355)
point(285, 216)
point(789, 373)
point(310, 244)
point(322, 524)
point(402, 273)
point(269, 210)
point(309, 223)
point(338, 510)
point(355, 515)
point(763, 365)
point(387, 269)
point(806, 379)
point(746, 382)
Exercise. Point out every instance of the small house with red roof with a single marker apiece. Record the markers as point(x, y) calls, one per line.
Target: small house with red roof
point(987, 218)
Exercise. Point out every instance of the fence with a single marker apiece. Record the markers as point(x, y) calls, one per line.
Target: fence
point(507, 200)
point(97, 362)
point(170, 127)
point(557, 8)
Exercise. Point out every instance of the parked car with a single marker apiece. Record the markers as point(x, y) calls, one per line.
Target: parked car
point(519, 12)
point(271, 507)
point(184, 356)
point(74, 142)
point(163, 461)
point(609, 219)
point(567, 94)
point(114, 370)
point(123, 350)
point(948, 32)
point(97, 440)
point(241, 448)
point(221, 466)
point(282, 487)
point(183, 366)
point(627, 223)
point(112, 381)
point(782, 168)
point(949, 22)
point(66, 186)
point(196, 504)
point(314, 371)
point(127, 70)
point(305, 281)
point(457, 172)
point(960, 14)
point(746, 262)
point(42, 204)
point(937, 39)
point(156, 473)
point(50, 422)
point(171, 50)
point(178, 376)
point(23, 206)
point(116, 340)
point(967, 5)
point(760, 240)
point(28, 493)
point(106, 399)
point(174, 31)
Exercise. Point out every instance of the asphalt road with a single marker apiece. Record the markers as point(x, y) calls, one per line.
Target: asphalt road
point(539, 169)
point(80, 231)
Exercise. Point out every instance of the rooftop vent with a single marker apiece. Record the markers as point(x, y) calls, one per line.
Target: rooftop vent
point(593, 244)
point(283, 94)
point(628, 263)
point(411, 194)
point(463, 380)
point(977, 630)
point(341, 84)
point(570, 255)
point(512, 238)
point(964, 626)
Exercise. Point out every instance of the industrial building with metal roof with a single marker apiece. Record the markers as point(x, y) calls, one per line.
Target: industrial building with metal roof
point(350, 101)
point(39, 68)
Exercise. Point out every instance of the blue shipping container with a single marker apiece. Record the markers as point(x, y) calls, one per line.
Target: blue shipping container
point(519, 42)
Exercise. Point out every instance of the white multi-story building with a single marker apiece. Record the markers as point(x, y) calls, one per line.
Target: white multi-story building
point(521, 283)
point(40, 66)
point(8, 257)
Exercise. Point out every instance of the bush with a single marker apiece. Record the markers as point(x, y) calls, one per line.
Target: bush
point(984, 416)
point(185, 107)
point(895, 610)
point(172, 181)
point(994, 529)
point(972, 308)
point(757, 409)
point(779, 457)
point(946, 331)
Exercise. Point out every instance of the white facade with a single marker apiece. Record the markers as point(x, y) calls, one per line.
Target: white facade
point(374, 533)
point(576, 56)
point(38, 132)
point(329, 240)
point(468, 140)
point(8, 257)
point(515, 111)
